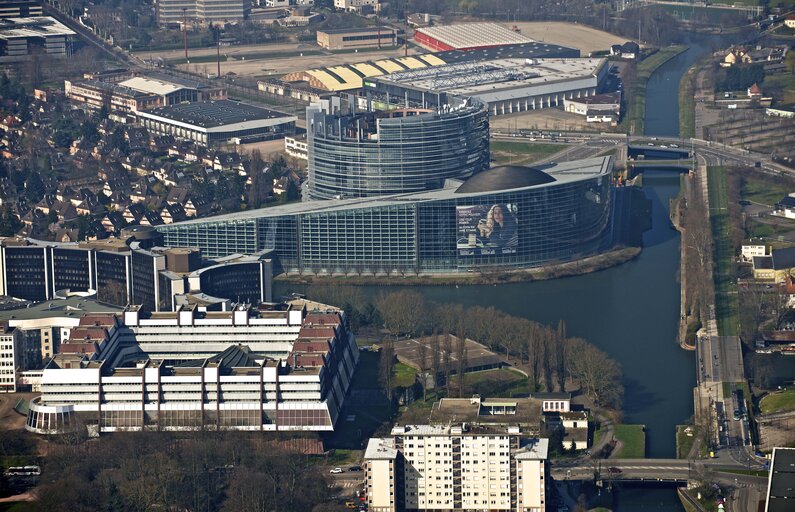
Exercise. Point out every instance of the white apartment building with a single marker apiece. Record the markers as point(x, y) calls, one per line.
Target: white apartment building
point(459, 468)
point(282, 367)
point(750, 250)
point(202, 11)
point(9, 358)
point(296, 147)
point(356, 5)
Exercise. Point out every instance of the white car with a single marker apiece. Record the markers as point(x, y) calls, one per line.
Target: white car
point(337, 471)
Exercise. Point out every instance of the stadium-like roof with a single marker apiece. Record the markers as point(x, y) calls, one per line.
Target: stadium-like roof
point(504, 177)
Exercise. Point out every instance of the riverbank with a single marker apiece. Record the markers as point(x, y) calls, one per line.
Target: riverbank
point(588, 265)
point(636, 103)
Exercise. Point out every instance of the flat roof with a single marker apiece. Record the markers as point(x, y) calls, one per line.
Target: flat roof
point(471, 35)
point(111, 88)
point(533, 449)
point(380, 448)
point(150, 85)
point(781, 484)
point(39, 26)
point(563, 172)
point(488, 77)
point(217, 115)
point(73, 306)
point(385, 29)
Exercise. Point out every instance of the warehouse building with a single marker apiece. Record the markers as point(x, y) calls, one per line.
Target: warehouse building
point(20, 37)
point(364, 37)
point(506, 85)
point(274, 367)
point(599, 108)
point(467, 36)
point(211, 123)
point(348, 77)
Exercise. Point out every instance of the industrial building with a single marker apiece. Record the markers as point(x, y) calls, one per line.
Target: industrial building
point(211, 123)
point(349, 77)
point(506, 85)
point(364, 37)
point(275, 367)
point(120, 272)
point(368, 154)
point(456, 467)
point(20, 37)
point(132, 94)
point(467, 36)
point(558, 212)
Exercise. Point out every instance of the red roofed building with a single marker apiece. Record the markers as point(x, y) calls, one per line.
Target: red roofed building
point(755, 92)
point(789, 22)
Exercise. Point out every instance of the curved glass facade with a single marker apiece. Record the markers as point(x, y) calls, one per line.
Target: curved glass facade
point(425, 233)
point(381, 153)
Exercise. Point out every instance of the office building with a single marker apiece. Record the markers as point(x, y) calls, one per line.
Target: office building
point(131, 270)
point(364, 37)
point(19, 9)
point(273, 368)
point(506, 85)
point(781, 481)
point(20, 37)
point(201, 11)
point(368, 154)
point(558, 212)
point(211, 123)
point(456, 467)
point(96, 94)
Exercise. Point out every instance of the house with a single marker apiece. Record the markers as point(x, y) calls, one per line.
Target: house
point(789, 21)
point(785, 207)
point(177, 195)
point(151, 218)
point(755, 92)
point(737, 55)
point(628, 50)
point(775, 267)
point(197, 207)
point(750, 250)
point(134, 213)
point(172, 213)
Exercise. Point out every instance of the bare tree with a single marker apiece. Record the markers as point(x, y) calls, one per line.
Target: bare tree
point(460, 358)
point(422, 359)
point(436, 362)
point(447, 352)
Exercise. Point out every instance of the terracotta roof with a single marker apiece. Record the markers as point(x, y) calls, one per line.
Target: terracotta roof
point(755, 89)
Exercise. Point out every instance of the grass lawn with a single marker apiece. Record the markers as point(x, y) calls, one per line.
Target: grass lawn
point(519, 153)
point(636, 103)
point(19, 506)
point(496, 383)
point(778, 402)
point(687, 105)
point(766, 190)
point(342, 457)
point(726, 307)
point(785, 83)
point(404, 375)
point(633, 438)
point(684, 442)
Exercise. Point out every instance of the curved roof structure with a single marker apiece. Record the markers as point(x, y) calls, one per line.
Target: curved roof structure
point(504, 177)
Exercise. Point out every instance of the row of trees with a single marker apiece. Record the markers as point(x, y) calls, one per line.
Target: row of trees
point(550, 357)
point(202, 471)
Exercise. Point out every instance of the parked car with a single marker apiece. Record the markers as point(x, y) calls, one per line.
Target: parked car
point(355, 468)
point(614, 470)
point(337, 471)
point(351, 505)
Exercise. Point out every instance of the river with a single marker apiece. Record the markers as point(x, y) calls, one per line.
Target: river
point(630, 311)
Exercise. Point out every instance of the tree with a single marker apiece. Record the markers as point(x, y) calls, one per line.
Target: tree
point(560, 355)
point(34, 187)
point(422, 360)
point(436, 358)
point(385, 361)
point(447, 352)
point(9, 222)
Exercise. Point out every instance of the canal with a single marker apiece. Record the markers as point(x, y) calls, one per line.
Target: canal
point(630, 311)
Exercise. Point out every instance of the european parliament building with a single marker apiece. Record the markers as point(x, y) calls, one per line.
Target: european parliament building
point(501, 218)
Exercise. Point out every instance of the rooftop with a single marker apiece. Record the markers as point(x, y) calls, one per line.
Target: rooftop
point(781, 487)
point(473, 35)
point(487, 76)
point(504, 177)
point(358, 30)
point(562, 172)
point(40, 26)
point(73, 307)
point(213, 114)
point(150, 85)
point(533, 449)
point(380, 448)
